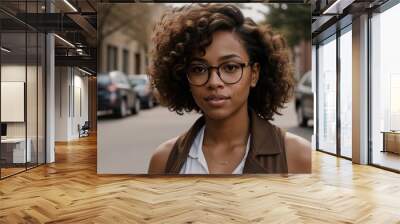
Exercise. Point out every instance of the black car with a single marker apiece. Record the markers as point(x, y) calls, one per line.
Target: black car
point(142, 86)
point(304, 100)
point(115, 95)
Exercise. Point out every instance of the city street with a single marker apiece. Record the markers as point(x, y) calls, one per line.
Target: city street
point(126, 144)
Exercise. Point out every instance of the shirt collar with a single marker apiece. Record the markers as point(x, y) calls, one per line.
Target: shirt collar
point(264, 140)
point(195, 151)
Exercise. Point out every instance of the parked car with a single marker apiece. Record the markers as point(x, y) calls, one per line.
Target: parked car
point(115, 95)
point(141, 84)
point(304, 100)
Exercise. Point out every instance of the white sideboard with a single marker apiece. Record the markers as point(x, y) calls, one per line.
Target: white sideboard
point(18, 149)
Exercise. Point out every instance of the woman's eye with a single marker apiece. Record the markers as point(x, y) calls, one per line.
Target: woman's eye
point(231, 67)
point(198, 69)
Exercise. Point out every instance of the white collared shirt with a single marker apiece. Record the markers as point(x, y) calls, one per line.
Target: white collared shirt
point(196, 162)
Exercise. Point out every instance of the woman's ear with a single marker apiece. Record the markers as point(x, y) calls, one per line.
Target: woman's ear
point(255, 73)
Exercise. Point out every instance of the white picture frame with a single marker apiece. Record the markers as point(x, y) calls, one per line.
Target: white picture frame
point(12, 101)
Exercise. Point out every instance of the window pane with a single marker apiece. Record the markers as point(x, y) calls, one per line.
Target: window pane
point(126, 61)
point(112, 58)
point(14, 153)
point(327, 96)
point(385, 86)
point(346, 94)
point(137, 63)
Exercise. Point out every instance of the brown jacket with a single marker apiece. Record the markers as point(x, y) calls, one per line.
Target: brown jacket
point(267, 152)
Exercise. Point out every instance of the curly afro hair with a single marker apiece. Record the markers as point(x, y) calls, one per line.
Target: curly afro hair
point(183, 31)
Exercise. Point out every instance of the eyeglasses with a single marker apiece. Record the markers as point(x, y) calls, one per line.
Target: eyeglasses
point(229, 72)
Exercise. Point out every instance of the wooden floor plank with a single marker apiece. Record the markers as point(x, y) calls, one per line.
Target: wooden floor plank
point(70, 191)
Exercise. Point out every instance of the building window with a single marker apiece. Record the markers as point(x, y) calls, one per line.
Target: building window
point(22, 100)
point(327, 95)
point(385, 89)
point(346, 74)
point(334, 91)
point(137, 63)
point(125, 66)
point(112, 58)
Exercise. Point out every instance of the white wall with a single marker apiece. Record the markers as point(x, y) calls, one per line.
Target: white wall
point(33, 126)
point(71, 93)
point(12, 73)
point(80, 94)
point(61, 103)
point(16, 73)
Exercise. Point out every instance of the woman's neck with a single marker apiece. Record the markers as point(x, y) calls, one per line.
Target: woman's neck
point(233, 130)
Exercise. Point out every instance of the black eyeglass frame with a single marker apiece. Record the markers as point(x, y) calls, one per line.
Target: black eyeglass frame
point(209, 67)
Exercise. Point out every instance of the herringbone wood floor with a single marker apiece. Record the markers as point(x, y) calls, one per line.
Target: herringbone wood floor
point(69, 191)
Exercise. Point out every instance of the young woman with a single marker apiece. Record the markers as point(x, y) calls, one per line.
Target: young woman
point(211, 59)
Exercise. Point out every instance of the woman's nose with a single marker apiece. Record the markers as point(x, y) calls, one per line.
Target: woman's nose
point(214, 80)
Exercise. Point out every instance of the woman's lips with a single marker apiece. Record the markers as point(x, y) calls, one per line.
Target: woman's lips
point(216, 100)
